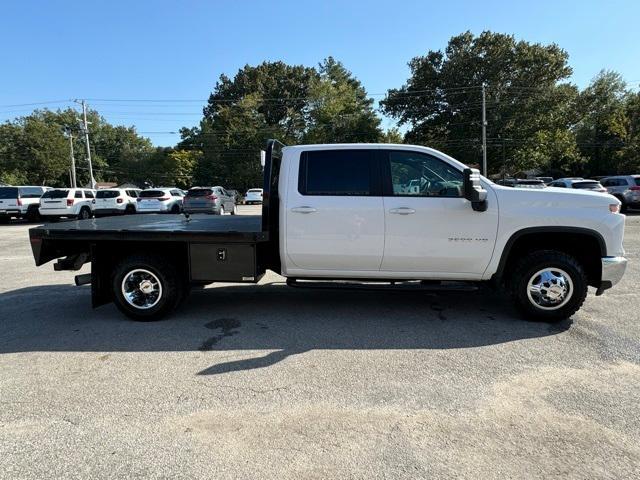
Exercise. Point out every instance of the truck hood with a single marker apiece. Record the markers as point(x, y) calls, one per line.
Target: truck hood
point(552, 197)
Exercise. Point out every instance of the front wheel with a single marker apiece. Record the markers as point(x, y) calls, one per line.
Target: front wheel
point(548, 285)
point(146, 287)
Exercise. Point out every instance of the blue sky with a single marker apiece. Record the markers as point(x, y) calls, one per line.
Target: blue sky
point(175, 50)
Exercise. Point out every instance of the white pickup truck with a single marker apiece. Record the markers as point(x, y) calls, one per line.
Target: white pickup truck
point(406, 215)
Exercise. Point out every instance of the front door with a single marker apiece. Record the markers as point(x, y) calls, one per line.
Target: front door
point(430, 228)
point(334, 215)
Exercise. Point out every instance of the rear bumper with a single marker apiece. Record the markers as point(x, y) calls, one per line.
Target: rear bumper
point(109, 211)
point(57, 212)
point(189, 209)
point(613, 269)
point(11, 213)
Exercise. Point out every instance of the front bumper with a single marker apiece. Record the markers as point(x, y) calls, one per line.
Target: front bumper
point(612, 272)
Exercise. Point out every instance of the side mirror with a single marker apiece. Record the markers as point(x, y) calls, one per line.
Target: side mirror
point(473, 190)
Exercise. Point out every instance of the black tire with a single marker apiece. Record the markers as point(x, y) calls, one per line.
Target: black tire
point(175, 208)
point(130, 210)
point(4, 219)
point(84, 214)
point(33, 214)
point(559, 266)
point(171, 282)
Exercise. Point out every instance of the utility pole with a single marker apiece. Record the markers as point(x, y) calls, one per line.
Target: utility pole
point(73, 161)
point(85, 129)
point(484, 131)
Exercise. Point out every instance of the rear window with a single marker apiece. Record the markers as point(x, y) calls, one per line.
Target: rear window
point(107, 194)
point(199, 192)
point(30, 192)
point(56, 194)
point(586, 185)
point(254, 190)
point(335, 172)
point(8, 192)
point(152, 194)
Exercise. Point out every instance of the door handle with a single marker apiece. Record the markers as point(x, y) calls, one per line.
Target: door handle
point(402, 211)
point(303, 209)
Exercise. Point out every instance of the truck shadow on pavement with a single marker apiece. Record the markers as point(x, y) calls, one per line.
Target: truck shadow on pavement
point(282, 320)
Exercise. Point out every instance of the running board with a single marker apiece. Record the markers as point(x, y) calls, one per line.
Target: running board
point(405, 286)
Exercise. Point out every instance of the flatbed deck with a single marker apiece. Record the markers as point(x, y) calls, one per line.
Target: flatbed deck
point(230, 228)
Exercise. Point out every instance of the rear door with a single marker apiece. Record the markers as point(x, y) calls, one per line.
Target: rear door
point(334, 215)
point(54, 199)
point(8, 199)
point(148, 200)
point(430, 228)
point(107, 199)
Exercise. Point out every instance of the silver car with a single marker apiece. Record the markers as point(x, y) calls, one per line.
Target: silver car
point(625, 188)
point(215, 200)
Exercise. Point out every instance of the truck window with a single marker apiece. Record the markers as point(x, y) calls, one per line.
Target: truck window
point(8, 192)
point(56, 194)
point(107, 194)
point(419, 175)
point(31, 192)
point(336, 172)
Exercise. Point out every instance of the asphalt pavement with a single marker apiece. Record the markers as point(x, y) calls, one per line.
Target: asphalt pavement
point(268, 381)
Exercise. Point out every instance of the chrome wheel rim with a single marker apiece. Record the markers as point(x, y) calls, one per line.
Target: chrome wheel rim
point(550, 288)
point(141, 289)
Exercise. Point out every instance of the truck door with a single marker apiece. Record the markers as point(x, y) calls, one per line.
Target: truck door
point(429, 226)
point(334, 215)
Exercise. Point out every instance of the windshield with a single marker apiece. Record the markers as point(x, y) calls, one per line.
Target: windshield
point(8, 192)
point(107, 194)
point(56, 194)
point(199, 192)
point(152, 194)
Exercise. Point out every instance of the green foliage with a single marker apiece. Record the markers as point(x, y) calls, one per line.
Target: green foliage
point(295, 104)
point(35, 149)
point(441, 101)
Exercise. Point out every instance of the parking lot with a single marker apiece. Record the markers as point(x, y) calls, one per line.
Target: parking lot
point(273, 382)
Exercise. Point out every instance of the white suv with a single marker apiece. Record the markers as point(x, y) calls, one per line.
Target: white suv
point(116, 201)
point(67, 202)
point(20, 202)
point(160, 200)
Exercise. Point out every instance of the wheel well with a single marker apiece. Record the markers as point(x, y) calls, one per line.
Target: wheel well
point(585, 247)
point(106, 255)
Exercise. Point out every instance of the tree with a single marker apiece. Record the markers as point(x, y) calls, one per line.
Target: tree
point(339, 109)
point(34, 149)
point(604, 128)
point(441, 101)
point(293, 103)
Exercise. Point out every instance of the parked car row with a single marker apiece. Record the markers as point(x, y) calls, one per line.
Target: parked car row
point(45, 203)
point(625, 188)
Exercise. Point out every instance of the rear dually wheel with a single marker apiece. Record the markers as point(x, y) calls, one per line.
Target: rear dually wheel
point(146, 287)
